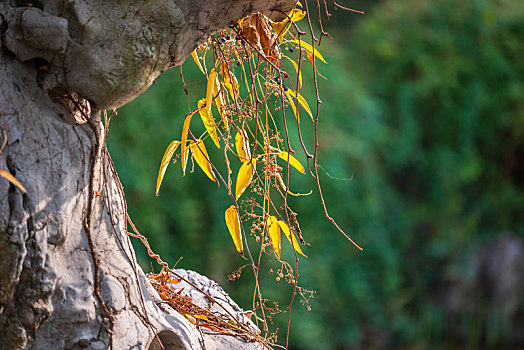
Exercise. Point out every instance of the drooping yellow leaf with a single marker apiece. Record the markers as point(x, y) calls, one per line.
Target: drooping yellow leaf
point(219, 101)
point(280, 27)
point(290, 100)
point(291, 237)
point(283, 185)
point(201, 317)
point(233, 225)
point(211, 85)
point(292, 161)
point(297, 14)
point(244, 177)
point(209, 122)
point(7, 175)
point(168, 154)
point(198, 149)
point(274, 233)
point(195, 58)
point(307, 47)
point(183, 148)
point(242, 146)
point(230, 81)
point(295, 65)
point(293, 95)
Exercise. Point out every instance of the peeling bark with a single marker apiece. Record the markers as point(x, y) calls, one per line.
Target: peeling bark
point(68, 273)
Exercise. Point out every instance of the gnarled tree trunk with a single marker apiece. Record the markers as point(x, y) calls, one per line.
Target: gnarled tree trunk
point(68, 273)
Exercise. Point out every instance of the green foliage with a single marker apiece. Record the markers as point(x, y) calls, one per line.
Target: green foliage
point(424, 111)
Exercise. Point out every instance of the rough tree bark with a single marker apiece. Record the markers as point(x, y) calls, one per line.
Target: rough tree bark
point(68, 273)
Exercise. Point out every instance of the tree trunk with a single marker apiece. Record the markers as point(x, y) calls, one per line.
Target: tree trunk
point(68, 273)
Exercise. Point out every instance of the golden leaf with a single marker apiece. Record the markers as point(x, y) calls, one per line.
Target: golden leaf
point(308, 48)
point(295, 65)
point(289, 97)
point(292, 161)
point(209, 122)
point(211, 85)
point(219, 101)
point(292, 95)
point(283, 185)
point(198, 149)
point(195, 58)
point(242, 146)
point(233, 225)
point(274, 233)
point(230, 81)
point(291, 237)
point(168, 154)
point(201, 317)
point(280, 27)
point(244, 177)
point(183, 149)
point(7, 175)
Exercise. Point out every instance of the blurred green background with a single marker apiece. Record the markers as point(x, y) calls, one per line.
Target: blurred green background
point(422, 152)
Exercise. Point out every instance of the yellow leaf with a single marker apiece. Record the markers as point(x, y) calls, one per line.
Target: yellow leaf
point(289, 97)
point(244, 177)
point(292, 161)
point(230, 81)
point(297, 14)
point(280, 27)
point(195, 58)
point(198, 149)
point(294, 94)
point(202, 317)
point(219, 101)
point(295, 65)
point(7, 175)
point(274, 232)
point(209, 122)
point(233, 225)
point(291, 237)
point(308, 48)
point(211, 85)
point(183, 149)
point(242, 146)
point(283, 185)
point(168, 154)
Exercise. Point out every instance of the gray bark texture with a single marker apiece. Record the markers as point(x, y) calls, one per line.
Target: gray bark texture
point(68, 273)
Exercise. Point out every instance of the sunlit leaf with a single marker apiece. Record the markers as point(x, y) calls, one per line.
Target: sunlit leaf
point(280, 28)
point(295, 65)
point(183, 148)
point(198, 149)
point(7, 175)
point(219, 101)
point(168, 154)
point(230, 81)
point(233, 225)
point(245, 175)
point(308, 48)
point(293, 95)
point(197, 61)
point(201, 317)
point(211, 85)
point(209, 122)
point(242, 146)
point(292, 161)
point(291, 237)
point(274, 233)
point(283, 185)
point(290, 100)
